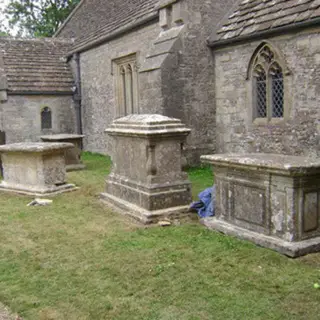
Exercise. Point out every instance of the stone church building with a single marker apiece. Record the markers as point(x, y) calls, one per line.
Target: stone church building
point(243, 75)
point(35, 89)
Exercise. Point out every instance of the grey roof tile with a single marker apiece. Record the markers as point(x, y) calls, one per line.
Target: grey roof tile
point(36, 65)
point(252, 16)
point(96, 19)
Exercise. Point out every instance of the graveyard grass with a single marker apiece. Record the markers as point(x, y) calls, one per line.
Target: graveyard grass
point(77, 259)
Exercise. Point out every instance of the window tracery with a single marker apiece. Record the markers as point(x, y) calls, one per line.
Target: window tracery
point(268, 84)
point(127, 85)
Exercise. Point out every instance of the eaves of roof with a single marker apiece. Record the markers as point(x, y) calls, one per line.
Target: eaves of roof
point(292, 28)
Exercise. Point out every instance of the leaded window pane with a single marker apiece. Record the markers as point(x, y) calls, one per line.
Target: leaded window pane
point(46, 118)
point(261, 95)
point(277, 93)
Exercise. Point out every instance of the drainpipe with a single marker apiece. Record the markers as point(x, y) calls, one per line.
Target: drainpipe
point(77, 94)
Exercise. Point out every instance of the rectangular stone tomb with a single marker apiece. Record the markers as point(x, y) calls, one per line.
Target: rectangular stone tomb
point(147, 181)
point(35, 168)
point(72, 155)
point(272, 200)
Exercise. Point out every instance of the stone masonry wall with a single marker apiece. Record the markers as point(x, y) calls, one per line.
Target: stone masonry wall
point(299, 133)
point(188, 85)
point(97, 84)
point(182, 86)
point(20, 116)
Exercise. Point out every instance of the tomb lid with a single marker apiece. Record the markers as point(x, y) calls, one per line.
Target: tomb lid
point(289, 165)
point(61, 136)
point(147, 124)
point(34, 147)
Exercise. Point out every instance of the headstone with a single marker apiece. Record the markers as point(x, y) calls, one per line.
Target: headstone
point(147, 180)
point(35, 168)
point(72, 155)
point(270, 199)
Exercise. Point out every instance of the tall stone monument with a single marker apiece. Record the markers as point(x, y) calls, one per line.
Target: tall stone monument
point(147, 180)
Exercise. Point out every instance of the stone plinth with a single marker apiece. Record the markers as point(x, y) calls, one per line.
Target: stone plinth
point(72, 155)
point(35, 168)
point(147, 180)
point(272, 200)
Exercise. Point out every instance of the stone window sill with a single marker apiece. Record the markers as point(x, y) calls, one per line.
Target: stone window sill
point(266, 121)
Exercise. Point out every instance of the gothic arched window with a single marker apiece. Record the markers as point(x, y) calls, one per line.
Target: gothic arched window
point(268, 84)
point(46, 118)
point(123, 89)
point(126, 85)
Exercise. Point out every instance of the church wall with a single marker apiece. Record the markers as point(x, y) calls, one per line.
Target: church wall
point(298, 133)
point(20, 116)
point(99, 106)
point(189, 89)
point(182, 86)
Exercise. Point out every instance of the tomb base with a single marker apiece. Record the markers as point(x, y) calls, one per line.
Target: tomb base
point(291, 249)
point(37, 192)
point(141, 214)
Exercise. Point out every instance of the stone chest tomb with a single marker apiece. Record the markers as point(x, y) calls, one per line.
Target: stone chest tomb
point(34, 168)
point(272, 200)
point(147, 180)
point(72, 155)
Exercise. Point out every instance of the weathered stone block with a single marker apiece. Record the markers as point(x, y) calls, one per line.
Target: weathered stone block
point(72, 155)
point(147, 180)
point(272, 200)
point(34, 168)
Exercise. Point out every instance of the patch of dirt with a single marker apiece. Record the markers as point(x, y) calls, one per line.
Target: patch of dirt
point(311, 259)
point(6, 315)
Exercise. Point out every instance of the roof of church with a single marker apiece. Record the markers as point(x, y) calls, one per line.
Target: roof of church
point(36, 65)
point(94, 20)
point(253, 16)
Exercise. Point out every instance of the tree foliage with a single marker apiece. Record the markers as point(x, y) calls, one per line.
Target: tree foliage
point(4, 30)
point(38, 18)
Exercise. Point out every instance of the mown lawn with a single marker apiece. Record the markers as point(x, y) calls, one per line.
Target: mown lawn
point(78, 260)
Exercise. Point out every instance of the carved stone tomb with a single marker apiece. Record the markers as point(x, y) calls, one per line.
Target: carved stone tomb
point(147, 181)
point(72, 155)
point(34, 168)
point(272, 200)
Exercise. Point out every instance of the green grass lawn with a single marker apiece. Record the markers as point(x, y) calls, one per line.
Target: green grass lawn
point(78, 260)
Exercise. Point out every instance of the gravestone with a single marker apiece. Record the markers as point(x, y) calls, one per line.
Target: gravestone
point(72, 155)
point(35, 168)
point(270, 199)
point(147, 180)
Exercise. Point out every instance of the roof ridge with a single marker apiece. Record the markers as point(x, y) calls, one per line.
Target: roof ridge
point(72, 13)
point(96, 19)
point(42, 39)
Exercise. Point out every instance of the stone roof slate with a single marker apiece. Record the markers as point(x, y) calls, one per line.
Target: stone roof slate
point(93, 20)
point(253, 16)
point(36, 65)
